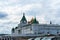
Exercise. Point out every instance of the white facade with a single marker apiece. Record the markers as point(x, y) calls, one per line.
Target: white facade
point(46, 28)
point(36, 28)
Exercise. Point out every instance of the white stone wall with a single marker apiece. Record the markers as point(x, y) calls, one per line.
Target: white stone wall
point(39, 29)
point(45, 29)
point(27, 30)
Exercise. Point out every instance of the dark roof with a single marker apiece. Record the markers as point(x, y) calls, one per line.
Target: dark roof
point(50, 35)
point(23, 18)
point(3, 34)
point(35, 21)
point(13, 29)
point(16, 27)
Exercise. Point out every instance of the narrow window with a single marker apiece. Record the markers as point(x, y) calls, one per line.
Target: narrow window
point(19, 31)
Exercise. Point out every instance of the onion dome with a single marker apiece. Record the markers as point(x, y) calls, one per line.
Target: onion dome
point(16, 27)
point(13, 30)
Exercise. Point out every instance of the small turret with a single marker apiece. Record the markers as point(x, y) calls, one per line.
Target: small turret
point(13, 30)
point(50, 22)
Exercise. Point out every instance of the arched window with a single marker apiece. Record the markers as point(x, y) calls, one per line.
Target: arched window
point(19, 31)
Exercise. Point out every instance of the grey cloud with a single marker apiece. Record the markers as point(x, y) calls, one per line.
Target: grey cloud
point(49, 9)
point(3, 15)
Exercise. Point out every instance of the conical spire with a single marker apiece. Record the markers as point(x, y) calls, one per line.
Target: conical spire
point(35, 21)
point(23, 14)
point(50, 22)
point(23, 20)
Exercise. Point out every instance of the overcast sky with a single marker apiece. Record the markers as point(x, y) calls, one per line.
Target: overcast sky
point(11, 12)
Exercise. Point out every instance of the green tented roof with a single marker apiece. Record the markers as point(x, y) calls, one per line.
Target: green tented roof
point(23, 18)
point(35, 21)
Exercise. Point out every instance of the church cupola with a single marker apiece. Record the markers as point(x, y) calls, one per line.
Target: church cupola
point(34, 21)
point(23, 20)
point(13, 30)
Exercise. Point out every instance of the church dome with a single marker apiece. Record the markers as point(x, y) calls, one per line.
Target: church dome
point(13, 30)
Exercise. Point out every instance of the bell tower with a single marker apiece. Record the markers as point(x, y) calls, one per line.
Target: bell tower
point(23, 20)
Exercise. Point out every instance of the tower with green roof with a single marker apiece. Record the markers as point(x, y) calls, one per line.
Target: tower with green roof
point(23, 20)
point(35, 21)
